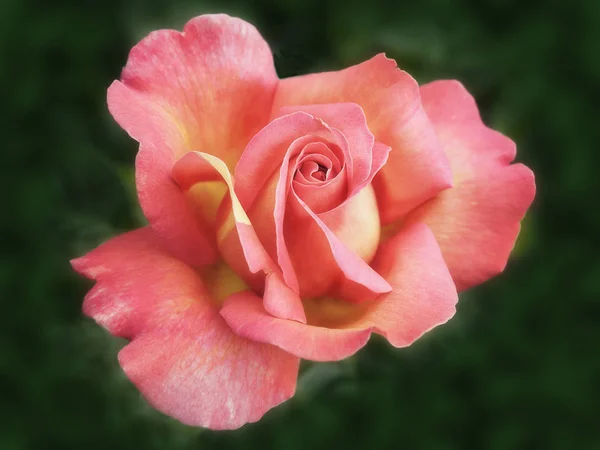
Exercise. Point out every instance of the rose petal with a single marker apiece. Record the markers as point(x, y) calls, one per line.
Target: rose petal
point(194, 166)
point(312, 172)
point(245, 314)
point(163, 202)
point(281, 301)
point(423, 294)
point(168, 210)
point(476, 222)
point(172, 88)
point(218, 67)
point(356, 224)
point(183, 357)
point(255, 257)
point(353, 268)
point(417, 168)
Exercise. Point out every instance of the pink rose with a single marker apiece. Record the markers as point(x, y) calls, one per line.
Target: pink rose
point(289, 218)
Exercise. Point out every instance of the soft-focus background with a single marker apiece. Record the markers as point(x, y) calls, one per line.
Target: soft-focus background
point(519, 366)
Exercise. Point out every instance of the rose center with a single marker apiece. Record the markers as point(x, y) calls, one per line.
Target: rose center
point(314, 171)
point(318, 163)
point(321, 173)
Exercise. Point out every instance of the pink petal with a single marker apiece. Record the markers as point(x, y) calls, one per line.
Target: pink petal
point(423, 293)
point(281, 194)
point(417, 168)
point(219, 67)
point(464, 137)
point(190, 169)
point(477, 222)
point(172, 88)
point(355, 223)
point(245, 314)
point(281, 301)
point(354, 269)
point(164, 204)
point(194, 166)
point(183, 357)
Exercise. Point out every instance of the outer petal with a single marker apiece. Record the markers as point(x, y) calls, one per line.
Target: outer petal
point(476, 223)
point(245, 314)
point(216, 81)
point(417, 168)
point(183, 356)
point(423, 294)
point(163, 202)
point(209, 88)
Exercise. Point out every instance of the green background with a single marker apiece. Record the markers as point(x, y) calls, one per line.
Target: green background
point(518, 367)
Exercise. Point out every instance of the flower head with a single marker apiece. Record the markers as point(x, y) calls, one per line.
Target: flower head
point(289, 218)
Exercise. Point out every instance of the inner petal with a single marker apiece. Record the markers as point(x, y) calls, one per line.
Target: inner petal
point(312, 171)
point(317, 163)
point(323, 196)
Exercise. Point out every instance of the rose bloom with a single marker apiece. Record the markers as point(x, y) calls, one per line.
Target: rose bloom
point(289, 218)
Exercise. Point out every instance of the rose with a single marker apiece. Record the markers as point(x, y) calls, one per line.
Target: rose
point(289, 218)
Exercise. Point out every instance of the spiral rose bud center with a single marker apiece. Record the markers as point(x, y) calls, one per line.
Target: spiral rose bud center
point(317, 163)
point(313, 171)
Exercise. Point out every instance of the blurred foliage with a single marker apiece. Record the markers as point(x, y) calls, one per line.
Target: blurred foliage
point(518, 368)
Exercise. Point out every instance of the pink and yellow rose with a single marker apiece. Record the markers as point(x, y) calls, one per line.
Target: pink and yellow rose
point(289, 218)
